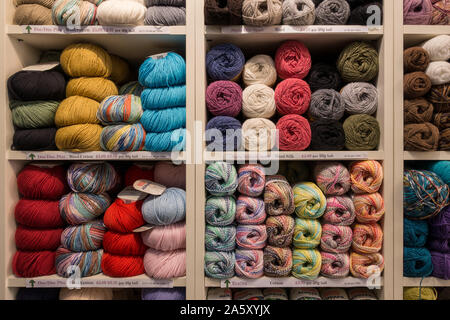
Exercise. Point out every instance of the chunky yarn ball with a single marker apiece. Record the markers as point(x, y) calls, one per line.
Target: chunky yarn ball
point(76, 110)
point(168, 208)
point(340, 211)
point(118, 266)
point(367, 238)
point(417, 11)
point(294, 133)
point(324, 76)
point(262, 12)
point(416, 84)
point(223, 133)
point(307, 233)
point(251, 237)
point(251, 180)
point(258, 101)
point(250, 211)
point(33, 264)
point(367, 265)
point(79, 138)
point(124, 244)
point(89, 263)
point(165, 16)
point(220, 238)
point(77, 208)
point(299, 12)
point(438, 47)
point(221, 179)
point(219, 265)
point(223, 13)
point(224, 98)
point(327, 135)
point(165, 70)
point(415, 233)
point(332, 12)
point(259, 134)
point(120, 109)
point(166, 238)
point(440, 265)
point(417, 262)
point(38, 214)
point(362, 133)
point(124, 217)
point(415, 59)
point(358, 62)
point(260, 69)
point(277, 262)
point(360, 98)
point(306, 264)
point(309, 201)
point(123, 138)
point(225, 62)
point(121, 13)
point(71, 12)
point(220, 211)
point(418, 110)
point(278, 196)
point(86, 60)
point(36, 85)
point(85, 237)
point(439, 72)
point(366, 176)
point(32, 14)
point(30, 239)
point(293, 60)
point(40, 183)
point(335, 265)
point(336, 239)
point(280, 230)
point(440, 224)
point(292, 96)
point(92, 177)
point(164, 98)
point(332, 178)
point(369, 208)
point(249, 264)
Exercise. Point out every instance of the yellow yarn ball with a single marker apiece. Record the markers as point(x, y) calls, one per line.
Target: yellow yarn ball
point(417, 293)
point(86, 294)
point(120, 70)
point(86, 60)
point(76, 110)
point(79, 138)
point(93, 88)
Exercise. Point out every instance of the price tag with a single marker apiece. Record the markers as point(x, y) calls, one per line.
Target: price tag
point(159, 56)
point(42, 66)
point(130, 195)
point(150, 187)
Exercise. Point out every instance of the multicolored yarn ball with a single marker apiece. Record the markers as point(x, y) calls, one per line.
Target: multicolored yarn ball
point(336, 239)
point(306, 264)
point(219, 265)
point(86, 237)
point(40, 183)
point(292, 60)
point(38, 214)
point(340, 211)
point(120, 109)
point(278, 196)
point(68, 262)
point(124, 217)
point(304, 294)
point(224, 62)
point(369, 208)
point(417, 262)
point(334, 294)
point(250, 211)
point(307, 233)
point(133, 88)
point(292, 96)
point(165, 238)
point(440, 224)
point(415, 233)
point(309, 201)
point(92, 177)
point(221, 179)
point(124, 244)
point(335, 265)
point(366, 265)
point(77, 208)
point(424, 194)
point(275, 294)
point(31, 239)
point(168, 208)
point(367, 238)
point(251, 237)
point(26, 264)
point(251, 180)
point(63, 12)
point(332, 178)
point(366, 176)
point(277, 262)
point(123, 138)
point(220, 238)
point(417, 11)
point(165, 264)
point(280, 230)
point(249, 263)
point(163, 70)
point(442, 169)
point(248, 295)
point(117, 266)
point(220, 211)
point(224, 98)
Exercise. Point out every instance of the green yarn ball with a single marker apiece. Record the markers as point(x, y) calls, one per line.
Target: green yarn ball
point(362, 133)
point(33, 114)
point(358, 62)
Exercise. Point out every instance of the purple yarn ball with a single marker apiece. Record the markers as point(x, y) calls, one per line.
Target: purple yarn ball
point(440, 225)
point(164, 294)
point(439, 245)
point(230, 129)
point(441, 264)
point(224, 98)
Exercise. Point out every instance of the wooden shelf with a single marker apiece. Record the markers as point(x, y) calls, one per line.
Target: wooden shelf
point(425, 30)
point(427, 282)
point(428, 156)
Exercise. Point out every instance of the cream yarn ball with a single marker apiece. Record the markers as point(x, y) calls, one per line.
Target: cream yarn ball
point(260, 70)
point(121, 13)
point(258, 101)
point(259, 134)
point(299, 12)
point(438, 47)
point(439, 72)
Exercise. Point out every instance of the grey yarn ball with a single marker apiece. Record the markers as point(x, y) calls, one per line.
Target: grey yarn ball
point(327, 104)
point(299, 12)
point(360, 98)
point(262, 12)
point(170, 3)
point(333, 12)
point(165, 16)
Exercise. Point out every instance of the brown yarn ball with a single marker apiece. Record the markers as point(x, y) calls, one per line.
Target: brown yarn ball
point(442, 120)
point(415, 59)
point(439, 96)
point(32, 14)
point(418, 111)
point(421, 137)
point(444, 140)
point(416, 84)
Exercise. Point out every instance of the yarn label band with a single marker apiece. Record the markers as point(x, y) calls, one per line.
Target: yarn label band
point(100, 283)
point(149, 187)
point(41, 66)
point(130, 194)
point(94, 29)
point(296, 29)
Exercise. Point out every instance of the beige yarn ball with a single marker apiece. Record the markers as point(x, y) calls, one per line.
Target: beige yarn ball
point(32, 14)
point(259, 134)
point(262, 12)
point(86, 294)
point(258, 101)
point(121, 13)
point(260, 70)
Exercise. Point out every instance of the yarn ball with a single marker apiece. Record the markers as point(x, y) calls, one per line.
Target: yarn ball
point(92, 177)
point(63, 12)
point(333, 294)
point(416, 85)
point(362, 133)
point(120, 13)
point(120, 109)
point(41, 183)
point(172, 294)
point(415, 59)
point(124, 217)
point(168, 208)
point(164, 120)
point(304, 294)
point(86, 237)
point(219, 265)
point(251, 180)
point(441, 121)
point(440, 224)
point(165, 16)
point(421, 137)
point(78, 208)
point(220, 238)
point(260, 69)
point(340, 211)
point(258, 134)
point(367, 238)
point(163, 98)
point(294, 133)
point(278, 196)
point(324, 76)
point(166, 238)
point(417, 110)
point(332, 178)
point(96, 89)
point(224, 62)
point(251, 237)
point(67, 262)
point(417, 11)
point(85, 60)
point(421, 293)
point(440, 265)
point(336, 239)
point(122, 266)
point(222, 13)
point(262, 12)
point(417, 262)
point(442, 169)
point(438, 72)
point(250, 211)
point(306, 264)
point(277, 262)
point(292, 96)
point(369, 208)
point(360, 294)
point(258, 101)
point(170, 175)
point(439, 245)
point(220, 211)
point(249, 264)
point(327, 135)
point(360, 98)
point(224, 98)
point(367, 265)
point(32, 14)
point(79, 138)
point(120, 73)
point(366, 176)
point(439, 96)
point(298, 12)
point(273, 294)
point(165, 70)
point(415, 233)
point(292, 60)
point(441, 12)
point(335, 265)
point(221, 179)
point(123, 138)
point(133, 88)
point(39, 214)
point(223, 134)
point(307, 233)
point(33, 264)
point(165, 265)
point(34, 139)
point(358, 62)
point(137, 172)
point(86, 294)
point(280, 231)
point(361, 15)
point(124, 244)
point(309, 201)
point(327, 104)
point(438, 47)
point(36, 85)
point(76, 110)
point(30, 239)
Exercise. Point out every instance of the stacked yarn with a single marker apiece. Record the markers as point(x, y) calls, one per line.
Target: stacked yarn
point(163, 99)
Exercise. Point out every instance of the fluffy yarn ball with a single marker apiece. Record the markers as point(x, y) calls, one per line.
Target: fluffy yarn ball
point(438, 47)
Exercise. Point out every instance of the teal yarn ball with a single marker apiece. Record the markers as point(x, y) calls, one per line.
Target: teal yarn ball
point(417, 262)
point(220, 265)
point(221, 179)
point(134, 88)
point(442, 169)
point(415, 233)
point(163, 98)
point(164, 120)
point(120, 109)
point(220, 211)
point(171, 141)
point(424, 195)
point(166, 209)
point(164, 70)
point(221, 239)
point(125, 137)
point(78, 208)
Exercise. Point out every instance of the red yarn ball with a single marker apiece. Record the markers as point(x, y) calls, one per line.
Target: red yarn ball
point(292, 96)
point(129, 244)
point(29, 239)
point(42, 183)
point(122, 266)
point(294, 133)
point(39, 214)
point(292, 60)
point(124, 217)
point(34, 264)
point(136, 172)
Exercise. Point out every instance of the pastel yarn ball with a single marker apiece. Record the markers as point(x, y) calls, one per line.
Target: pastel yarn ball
point(121, 138)
point(250, 210)
point(258, 134)
point(168, 208)
point(340, 211)
point(85, 60)
point(220, 211)
point(219, 265)
point(62, 12)
point(92, 177)
point(307, 233)
point(165, 265)
point(251, 237)
point(120, 109)
point(306, 264)
point(364, 266)
point(166, 238)
point(309, 201)
point(332, 178)
point(278, 196)
point(249, 263)
point(220, 238)
point(165, 70)
point(260, 69)
point(258, 101)
point(336, 239)
point(280, 231)
point(366, 176)
point(251, 180)
point(335, 265)
point(77, 208)
point(85, 237)
point(121, 13)
point(438, 47)
point(221, 179)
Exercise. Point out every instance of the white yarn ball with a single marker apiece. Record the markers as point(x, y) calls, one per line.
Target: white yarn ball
point(121, 12)
point(259, 134)
point(438, 47)
point(439, 72)
point(86, 294)
point(360, 98)
point(260, 70)
point(299, 12)
point(258, 101)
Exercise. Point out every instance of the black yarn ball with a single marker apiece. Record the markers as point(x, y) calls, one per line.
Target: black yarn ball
point(223, 12)
point(359, 15)
point(33, 294)
point(327, 135)
point(324, 76)
point(356, 3)
point(37, 85)
point(34, 140)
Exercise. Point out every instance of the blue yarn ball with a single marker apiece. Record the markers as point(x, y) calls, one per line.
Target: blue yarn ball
point(415, 233)
point(164, 120)
point(166, 141)
point(417, 262)
point(163, 71)
point(123, 138)
point(224, 62)
point(164, 294)
point(425, 194)
point(163, 98)
point(231, 131)
point(442, 169)
point(166, 209)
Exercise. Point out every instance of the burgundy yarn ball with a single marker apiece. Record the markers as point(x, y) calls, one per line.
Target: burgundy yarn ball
point(224, 98)
point(34, 264)
point(39, 214)
point(41, 183)
point(30, 239)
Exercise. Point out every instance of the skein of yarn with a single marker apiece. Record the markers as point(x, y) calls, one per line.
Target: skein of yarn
point(258, 134)
point(123, 138)
point(336, 239)
point(95, 88)
point(440, 265)
point(220, 211)
point(122, 266)
point(36, 182)
point(441, 168)
point(416, 85)
point(358, 62)
point(260, 69)
point(120, 109)
point(85, 60)
point(79, 138)
point(309, 201)
point(165, 16)
point(251, 237)
point(294, 133)
point(223, 134)
point(221, 179)
point(165, 70)
point(165, 265)
point(170, 175)
point(223, 13)
point(33, 114)
point(36, 85)
point(324, 76)
point(225, 62)
point(417, 262)
point(306, 264)
point(421, 293)
point(298, 12)
point(123, 244)
point(68, 113)
point(417, 111)
point(292, 96)
point(63, 12)
point(258, 101)
point(417, 11)
point(367, 238)
point(278, 196)
point(280, 230)
point(164, 97)
point(439, 96)
point(168, 208)
point(121, 13)
point(416, 59)
point(30, 239)
point(340, 211)
point(362, 133)
point(292, 60)
point(307, 233)
point(86, 237)
point(327, 104)
point(277, 262)
point(360, 98)
point(364, 266)
point(439, 72)
point(366, 176)
point(250, 211)
point(92, 177)
point(332, 178)
point(39, 214)
point(421, 137)
point(219, 265)
point(89, 262)
point(166, 238)
point(415, 233)
point(262, 12)
point(438, 47)
point(249, 263)
point(34, 139)
point(32, 14)
point(224, 98)
point(33, 264)
point(332, 12)
point(251, 180)
point(124, 217)
point(220, 239)
point(335, 266)
point(369, 208)
point(327, 135)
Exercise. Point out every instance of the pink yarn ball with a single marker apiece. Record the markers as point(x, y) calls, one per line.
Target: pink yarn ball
point(165, 265)
point(166, 238)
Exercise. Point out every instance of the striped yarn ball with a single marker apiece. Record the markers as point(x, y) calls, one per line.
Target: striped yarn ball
point(251, 180)
point(119, 138)
point(120, 109)
point(221, 179)
point(86, 237)
point(249, 263)
point(219, 265)
point(67, 262)
point(367, 238)
point(251, 237)
point(309, 201)
point(306, 264)
point(369, 208)
point(250, 210)
point(78, 208)
point(340, 211)
point(336, 239)
point(278, 196)
point(335, 265)
point(307, 233)
point(365, 265)
point(280, 230)
point(92, 177)
point(220, 211)
point(366, 176)
point(332, 178)
point(277, 262)
point(220, 238)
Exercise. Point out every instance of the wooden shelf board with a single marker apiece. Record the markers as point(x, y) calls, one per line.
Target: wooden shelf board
point(100, 30)
point(427, 282)
point(436, 155)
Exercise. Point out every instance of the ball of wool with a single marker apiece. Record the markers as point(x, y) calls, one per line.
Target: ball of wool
point(251, 180)
point(258, 134)
point(438, 47)
point(129, 244)
point(439, 72)
point(121, 13)
point(251, 237)
point(307, 233)
point(358, 62)
point(224, 62)
point(120, 109)
point(292, 96)
point(77, 208)
point(94, 88)
point(280, 230)
point(299, 12)
point(250, 211)
point(168, 208)
point(34, 139)
point(334, 294)
point(124, 217)
point(220, 238)
point(304, 293)
point(164, 120)
point(362, 294)
point(120, 73)
point(294, 133)
point(92, 177)
point(278, 196)
point(262, 12)
point(32, 14)
point(249, 264)
point(170, 175)
point(86, 294)
point(440, 265)
point(36, 85)
point(170, 141)
point(332, 178)
point(63, 12)
point(117, 266)
point(41, 183)
point(416, 59)
point(327, 104)
point(76, 110)
point(165, 70)
point(327, 135)
point(33, 114)
point(439, 96)
point(417, 110)
point(89, 262)
point(293, 60)
point(424, 194)
point(417, 262)
point(221, 179)
point(220, 211)
point(86, 237)
point(134, 88)
point(260, 69)
point(45, 3)
point(441, 120)
point(30, 239)
point(369, 208)
point(335, 265)
point(360, 98)
point(294, 171)
point(224, 98)
point(165, 16)
point(86, 60)
point(272, 294)
point(332, 12)
point(119, 138)
point(306, 264)
point(340, 211)
point(219, 265)
point(365, 266)
point(421, 293)
point(415, 233)
point(367, 238)
point(258, 101)
point(444, 140)
point(362, 133)
point(336, 239)
point(309, 201)
point(360, 15)
point(442, 169)
point(366, 176)
point(417, 11)
point(439, 245)
point(416, 84)
point(223, 13)
point(223, 134)
point(324, 76)
point(38, 214)
point(166, 238)
point(277, 262)
point(441, 12)
point(33, 264)
point(421, 137)
point(163, 98)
